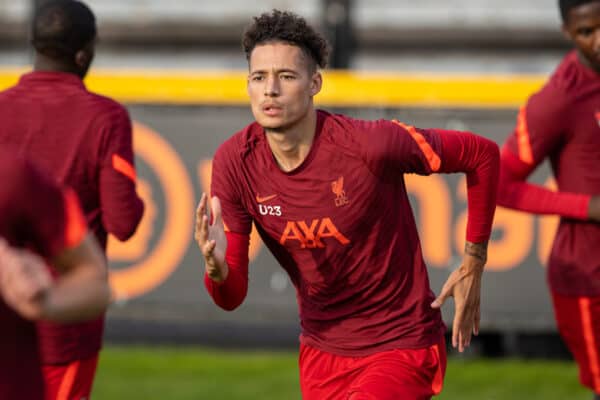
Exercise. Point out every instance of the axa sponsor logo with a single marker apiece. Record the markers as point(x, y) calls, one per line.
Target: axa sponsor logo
point(312, 235)
point(337, 187)
point(265, 209)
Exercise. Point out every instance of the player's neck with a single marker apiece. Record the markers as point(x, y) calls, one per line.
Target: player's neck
point(47, 64)
point(291, 146)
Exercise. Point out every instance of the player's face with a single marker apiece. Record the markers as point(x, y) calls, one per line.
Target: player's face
point(583, 28)
point(281, 85)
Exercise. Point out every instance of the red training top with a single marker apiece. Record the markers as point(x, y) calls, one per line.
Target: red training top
point(84, 140)
point(561, 122)
point(342, 227)
point(34, 214)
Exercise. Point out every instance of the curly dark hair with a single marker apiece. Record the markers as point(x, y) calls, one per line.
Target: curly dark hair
point(566, 6)
point(287, 27)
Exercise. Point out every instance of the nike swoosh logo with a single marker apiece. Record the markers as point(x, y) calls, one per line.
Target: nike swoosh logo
point(266, 198)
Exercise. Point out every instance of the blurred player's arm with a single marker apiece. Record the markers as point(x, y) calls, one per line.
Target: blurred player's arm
point(81, 291)
point(24, 280)
point(58, 233)
point(515, 192)
point(538, 133)
point(122, 208)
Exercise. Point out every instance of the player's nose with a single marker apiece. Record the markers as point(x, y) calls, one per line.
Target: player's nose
point(271, 86)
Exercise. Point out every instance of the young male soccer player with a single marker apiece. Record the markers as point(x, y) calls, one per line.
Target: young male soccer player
point(37, 216)
point(561, 122)
point(85, 141)
point(328, 197)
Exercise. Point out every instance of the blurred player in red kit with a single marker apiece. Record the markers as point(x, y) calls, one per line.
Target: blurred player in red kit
point(85, 141)
point(327, 195)
point(36, 216)
point(561, 123)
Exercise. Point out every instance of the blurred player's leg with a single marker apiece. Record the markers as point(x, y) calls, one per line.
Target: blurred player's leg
point(71, 381)
point(579, 326)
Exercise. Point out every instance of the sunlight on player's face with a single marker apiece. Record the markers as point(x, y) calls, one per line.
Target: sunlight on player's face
point(583, 28)
point(281, 85)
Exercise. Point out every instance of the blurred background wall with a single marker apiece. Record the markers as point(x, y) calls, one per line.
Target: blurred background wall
point(380, 34)
point(377, 21)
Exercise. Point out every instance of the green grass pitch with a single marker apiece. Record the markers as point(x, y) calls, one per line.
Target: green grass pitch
point(182, 373)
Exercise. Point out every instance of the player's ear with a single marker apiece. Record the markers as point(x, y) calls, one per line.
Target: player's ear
point(83, 59)
point(316, 83)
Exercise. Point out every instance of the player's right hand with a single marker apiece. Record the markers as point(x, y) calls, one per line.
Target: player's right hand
point(24, 281)
point(211, 238)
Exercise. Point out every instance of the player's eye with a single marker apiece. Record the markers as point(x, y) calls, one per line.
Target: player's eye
point(256, 78)
point(288, 77)
point(585, 32)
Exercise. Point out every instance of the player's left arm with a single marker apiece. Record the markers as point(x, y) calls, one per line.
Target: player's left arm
point(394, 148)
point(122, 208)
point(479, 159)
point(397, 148)
point(81, 290)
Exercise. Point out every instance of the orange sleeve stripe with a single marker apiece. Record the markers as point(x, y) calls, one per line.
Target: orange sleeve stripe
point(523, 141)
point(123, 166)
point(590, 342)
point(75, 224)
point(432, 158)
point(66, 386)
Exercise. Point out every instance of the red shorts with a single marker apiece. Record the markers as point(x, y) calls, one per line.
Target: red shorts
point(70, 381)
point(408, 374)
point(578, 321)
